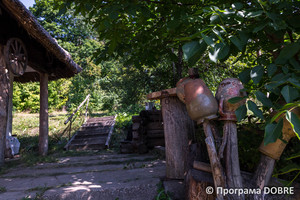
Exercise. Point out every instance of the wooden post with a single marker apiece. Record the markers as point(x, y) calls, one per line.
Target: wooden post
point(177, 126)
point(263, 174)
point(10, 106)
point(43, 135)
point(233, 173)
point(4, 98)
point(217, 169)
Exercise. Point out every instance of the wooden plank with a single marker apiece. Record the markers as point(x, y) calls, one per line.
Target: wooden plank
point(155, 133)
point(135, 126)
point(135, 135)
point(155, 126)
point(161, 94)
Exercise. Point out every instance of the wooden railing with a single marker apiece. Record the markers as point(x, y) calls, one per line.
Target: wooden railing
point(70, 119)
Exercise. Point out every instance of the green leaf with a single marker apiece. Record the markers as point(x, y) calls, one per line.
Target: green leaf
point(294, 63)
point(272, 68)
point(237, 5)
point(208, 40)
point(273, 132)
point(256, 111)
point(236, 41)
point(244, 76)
point(294, 82)
point(289, 168)
point(289, 93)
point(236, 99)
point(192, 51)
point(287, 52)
point(241, 112)
point(294, 121)
point(263, 99)
point(219, 52)
point(259, 28)
point(254, 14)
point(257, 73)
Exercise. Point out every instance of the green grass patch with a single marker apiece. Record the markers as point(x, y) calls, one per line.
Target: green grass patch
point(2, 189)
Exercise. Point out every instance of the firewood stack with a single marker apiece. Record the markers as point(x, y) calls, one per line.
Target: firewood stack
point(147, 132)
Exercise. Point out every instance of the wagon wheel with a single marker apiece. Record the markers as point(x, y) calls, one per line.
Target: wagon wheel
point(16, 56)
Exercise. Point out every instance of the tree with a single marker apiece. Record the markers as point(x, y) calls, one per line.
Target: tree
point(262, 34)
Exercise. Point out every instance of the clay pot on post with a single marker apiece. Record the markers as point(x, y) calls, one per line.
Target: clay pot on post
point(228, 89)
point(193, 74)
point(200, 102)
point(202, 106)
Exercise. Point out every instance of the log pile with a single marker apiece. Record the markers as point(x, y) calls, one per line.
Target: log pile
point(146, 132)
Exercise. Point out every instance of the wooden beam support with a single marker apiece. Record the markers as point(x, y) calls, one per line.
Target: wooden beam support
point(44, 124)
point(161, 94)
point(10, 106)
point(177, 126)
point(4, 96)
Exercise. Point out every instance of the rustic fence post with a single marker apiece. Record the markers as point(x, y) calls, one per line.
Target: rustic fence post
point(44, 126)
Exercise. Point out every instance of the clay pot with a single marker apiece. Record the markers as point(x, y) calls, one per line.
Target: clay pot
point(200, 102)
point(228, 89)
point(275, 149)
point(180, 88)
point(193, 74)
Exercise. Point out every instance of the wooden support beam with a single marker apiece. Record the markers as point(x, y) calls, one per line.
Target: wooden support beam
point(44, 124)
point(177, 126)
point(161, 94)
point(10, 106)
point(4, 96)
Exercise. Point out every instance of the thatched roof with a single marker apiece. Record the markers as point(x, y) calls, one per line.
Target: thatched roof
point(27, 21)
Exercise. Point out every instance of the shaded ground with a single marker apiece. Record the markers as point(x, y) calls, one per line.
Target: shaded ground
point(104, 176)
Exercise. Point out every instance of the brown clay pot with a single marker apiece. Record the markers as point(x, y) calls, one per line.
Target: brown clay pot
point(200, 102)
point(180, 88)
point(228, 89)
point(193, 74)
point(275, 149)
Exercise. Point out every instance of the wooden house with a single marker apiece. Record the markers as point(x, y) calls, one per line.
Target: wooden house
point(28, 53)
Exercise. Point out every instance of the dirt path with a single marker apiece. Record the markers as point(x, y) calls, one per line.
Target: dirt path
point(105, 176)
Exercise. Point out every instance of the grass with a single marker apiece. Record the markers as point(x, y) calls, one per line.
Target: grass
point(26, 129)
point(2, 190)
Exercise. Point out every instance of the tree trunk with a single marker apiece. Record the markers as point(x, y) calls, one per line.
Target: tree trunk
point(4, 99)
point(43, 135)
point(177, 126)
